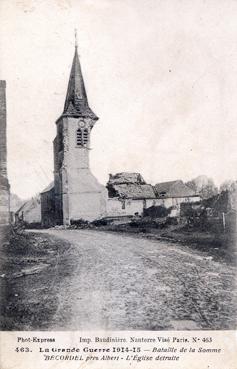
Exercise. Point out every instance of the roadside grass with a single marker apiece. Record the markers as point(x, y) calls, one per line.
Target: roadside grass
point(222, 246)
point(30, 263)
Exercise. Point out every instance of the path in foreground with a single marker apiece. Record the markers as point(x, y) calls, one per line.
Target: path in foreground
point(120, 282)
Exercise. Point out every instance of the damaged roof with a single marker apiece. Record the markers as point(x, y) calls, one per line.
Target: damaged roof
point(125, 177)
point(132, 191)
point(129, 185)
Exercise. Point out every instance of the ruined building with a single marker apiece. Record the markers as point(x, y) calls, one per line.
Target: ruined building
point(129, 194)
point(76, 193)
point(4, 184)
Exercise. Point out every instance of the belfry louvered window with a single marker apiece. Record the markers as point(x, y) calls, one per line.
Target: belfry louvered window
point(82, 137)
point(85, 136)
point(79, 137)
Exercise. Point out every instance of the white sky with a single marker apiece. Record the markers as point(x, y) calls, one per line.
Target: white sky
point(160, 74)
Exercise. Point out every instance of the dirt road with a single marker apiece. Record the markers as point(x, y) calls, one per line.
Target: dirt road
point(121, 282)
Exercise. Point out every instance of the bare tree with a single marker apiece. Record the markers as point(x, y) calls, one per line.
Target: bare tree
point(228, 185)
point(204, 186)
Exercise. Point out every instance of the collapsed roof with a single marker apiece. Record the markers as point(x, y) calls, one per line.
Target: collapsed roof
point(126, 177)
point(132, 191)
point(129, 186)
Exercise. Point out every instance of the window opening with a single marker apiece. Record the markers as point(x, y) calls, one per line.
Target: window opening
point(85, 136)
point(82, 137)
point(79, 137)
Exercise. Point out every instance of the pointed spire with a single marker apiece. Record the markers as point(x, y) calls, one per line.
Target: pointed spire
point(76, 103)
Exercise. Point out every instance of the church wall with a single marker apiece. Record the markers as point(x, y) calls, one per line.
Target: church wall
point(75, 157)
point(86, 206)
point(58, 159)
point(48, 208)
point(58, 209)
point(55, 154)
point(86, 196)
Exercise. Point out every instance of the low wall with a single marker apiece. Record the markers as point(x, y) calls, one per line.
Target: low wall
point(116, 207)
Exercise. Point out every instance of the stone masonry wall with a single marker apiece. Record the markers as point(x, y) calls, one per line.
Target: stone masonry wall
point(86, 196)
point(4, 185)
point(3, 126)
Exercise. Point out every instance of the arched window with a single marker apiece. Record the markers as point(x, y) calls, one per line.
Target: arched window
point(85, 136)
point(79, 137)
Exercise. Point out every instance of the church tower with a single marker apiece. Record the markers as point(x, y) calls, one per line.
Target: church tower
point(78, 194)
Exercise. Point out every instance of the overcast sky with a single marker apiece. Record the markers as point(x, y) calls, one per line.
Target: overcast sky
point(160, 74)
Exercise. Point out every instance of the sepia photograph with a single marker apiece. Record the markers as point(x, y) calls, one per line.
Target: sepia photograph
point(118, 165)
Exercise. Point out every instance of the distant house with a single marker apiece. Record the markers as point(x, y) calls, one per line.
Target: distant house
point(15, 204)
point(30, 212)
point(173, 193)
